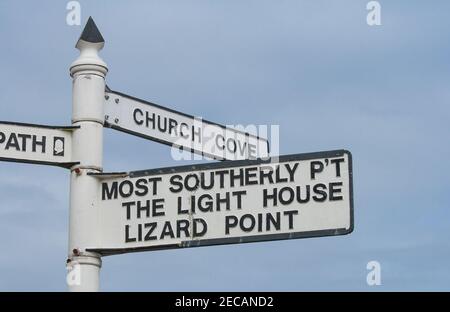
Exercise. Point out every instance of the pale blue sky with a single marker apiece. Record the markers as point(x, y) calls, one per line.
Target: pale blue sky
point(313, 67)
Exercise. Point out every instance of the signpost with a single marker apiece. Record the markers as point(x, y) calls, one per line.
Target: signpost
point(303, 195)
point(248, 198)
point(167, 126)
point(36, 144)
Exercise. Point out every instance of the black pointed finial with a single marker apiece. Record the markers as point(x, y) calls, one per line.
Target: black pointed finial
point(91, 32)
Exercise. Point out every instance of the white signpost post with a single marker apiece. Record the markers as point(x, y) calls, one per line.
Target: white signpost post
point(167, 126)
point(252, 198)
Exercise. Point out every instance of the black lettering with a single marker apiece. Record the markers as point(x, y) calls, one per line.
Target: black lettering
point(141, 187)
point(320, 189)
point(128, 239)
point(167, 230)
point(196, 133)
point(233, 147)
point(12, 142)
point(337, 163)
point(177, 185)
point(225, 201)
point(128, 205)
point(158, 204)
point(242, 222)
point(180, 206)
point(36, 143)
point(211, 181)
point(230, 222)
point(316, 167)
point(278, 177)
point(239, 197)
point(195, 230)
point(154, 182)
point(274, 221)
point(291, 215)
point(267, 196)
point(151, 227)
point(139, 238)
point(260, 222)
point(266, 173)
point(242, 146)
point(221, 174)
point(173, 126)
point(239, 177)
point(299, 196)
point(162, 126)
point(193, 203)
point(109, 193)
point(291, 171)
point(143, 208)
point(290, 193)
point(205, 205)
point(182, 133)
point(24, 138)
point(149, 120)
point(249, 175)
point(126, 193)
point(135, 118)
point(220, 146)
point(196, 182)
point(333, 189)
point(182, 226)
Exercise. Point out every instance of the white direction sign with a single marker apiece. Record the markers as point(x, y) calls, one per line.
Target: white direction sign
point(167, 126)
point(303, 195)
point(36, 144)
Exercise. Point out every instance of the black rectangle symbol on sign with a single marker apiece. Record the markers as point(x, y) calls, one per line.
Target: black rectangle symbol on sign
point(58, 146)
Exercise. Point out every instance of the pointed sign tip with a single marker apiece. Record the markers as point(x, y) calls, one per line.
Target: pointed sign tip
point(91, 32)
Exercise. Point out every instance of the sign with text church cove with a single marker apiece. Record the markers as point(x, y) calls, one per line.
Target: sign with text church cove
point(188, 133)
point(302, 195)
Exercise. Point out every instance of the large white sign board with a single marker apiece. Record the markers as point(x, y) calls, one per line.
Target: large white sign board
point(36, 144)
point(303, 195)
point(167, 126)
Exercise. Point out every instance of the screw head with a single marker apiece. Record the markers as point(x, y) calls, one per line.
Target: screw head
point(117, 101)
point(116, 120)
point(106, 97)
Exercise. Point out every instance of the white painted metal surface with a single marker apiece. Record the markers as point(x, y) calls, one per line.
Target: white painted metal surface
point(88, 73)
point(36, 144)
point(226, 203)
point(170, 127)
